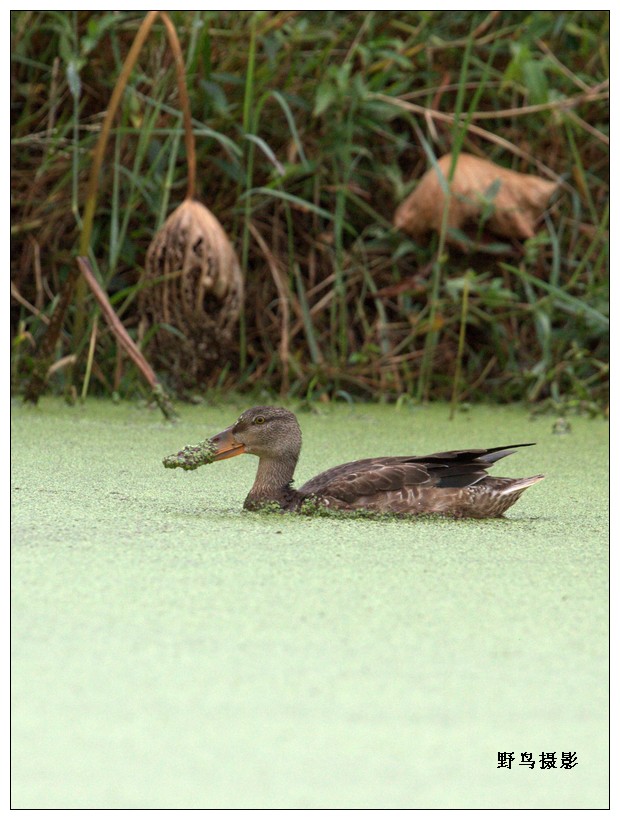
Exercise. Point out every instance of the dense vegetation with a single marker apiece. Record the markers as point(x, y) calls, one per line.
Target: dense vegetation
point(311, 128)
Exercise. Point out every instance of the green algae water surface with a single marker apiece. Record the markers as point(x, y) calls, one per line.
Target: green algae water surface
point(172, 651)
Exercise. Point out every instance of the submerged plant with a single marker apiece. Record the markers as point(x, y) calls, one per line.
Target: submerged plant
point(191, 456)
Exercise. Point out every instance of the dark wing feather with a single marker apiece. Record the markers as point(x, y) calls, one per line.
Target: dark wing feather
point(367, 478)
point(373, 476)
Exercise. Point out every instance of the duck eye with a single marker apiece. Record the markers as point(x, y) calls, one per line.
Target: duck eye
point(259, 420)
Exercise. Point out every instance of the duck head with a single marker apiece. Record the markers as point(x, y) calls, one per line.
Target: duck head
point(271, 433)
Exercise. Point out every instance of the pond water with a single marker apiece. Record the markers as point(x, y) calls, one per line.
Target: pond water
point(172, 651)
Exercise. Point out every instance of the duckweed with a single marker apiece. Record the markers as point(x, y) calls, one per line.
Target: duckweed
point(171, 650)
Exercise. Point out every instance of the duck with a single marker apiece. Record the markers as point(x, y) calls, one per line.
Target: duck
point(451, 484)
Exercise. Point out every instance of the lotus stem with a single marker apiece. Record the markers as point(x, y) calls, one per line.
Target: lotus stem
point(190, 143)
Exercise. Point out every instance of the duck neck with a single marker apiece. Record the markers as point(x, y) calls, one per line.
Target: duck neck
point(273, 483)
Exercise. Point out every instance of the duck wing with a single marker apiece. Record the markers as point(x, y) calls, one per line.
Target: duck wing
point(373, 477)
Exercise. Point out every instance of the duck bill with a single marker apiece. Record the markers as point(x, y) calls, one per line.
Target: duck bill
point(225, 445)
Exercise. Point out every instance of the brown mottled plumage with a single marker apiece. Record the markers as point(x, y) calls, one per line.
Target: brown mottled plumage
point(454, 483)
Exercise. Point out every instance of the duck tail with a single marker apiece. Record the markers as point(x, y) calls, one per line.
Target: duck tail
point(495, 453)
point(517, 485)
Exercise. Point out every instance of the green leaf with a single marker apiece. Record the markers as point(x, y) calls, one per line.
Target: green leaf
point(266, 151)
point(216, 96)
point(535, 81)
point(291, 124)
point(325, 96)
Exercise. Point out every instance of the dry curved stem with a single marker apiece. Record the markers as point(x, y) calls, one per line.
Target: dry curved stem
point(133, 351)
point(555, 105)
point(66, 361)
point(99, 152)
point(190, 143)
point(475, 129)
point(28, 305)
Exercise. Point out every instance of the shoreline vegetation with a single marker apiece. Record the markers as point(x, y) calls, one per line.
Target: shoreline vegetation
point(295, 137)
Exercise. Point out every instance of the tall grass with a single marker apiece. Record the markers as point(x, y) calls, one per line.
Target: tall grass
point(311, 127)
